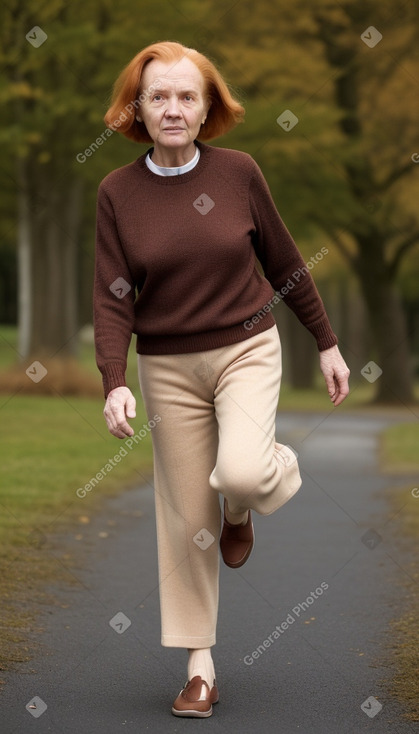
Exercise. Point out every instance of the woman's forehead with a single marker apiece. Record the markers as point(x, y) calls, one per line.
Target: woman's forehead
point(175, 73)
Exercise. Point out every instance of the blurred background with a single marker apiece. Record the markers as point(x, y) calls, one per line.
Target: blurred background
point(344, 178)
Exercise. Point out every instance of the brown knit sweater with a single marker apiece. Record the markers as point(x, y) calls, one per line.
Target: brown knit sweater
point(176, 261)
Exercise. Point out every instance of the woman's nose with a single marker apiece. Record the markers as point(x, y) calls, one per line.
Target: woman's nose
point(173, 108)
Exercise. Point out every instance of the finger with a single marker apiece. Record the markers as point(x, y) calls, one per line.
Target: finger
point(126, 430)
point(117, 433)
point(330, 384)
point(117, 410)
point(116, 422)
point(121, 433)
point(111, 417)
point(343, 395)
point(342, 390)
point(121, 430)
point(121, 427)
point(130, 407)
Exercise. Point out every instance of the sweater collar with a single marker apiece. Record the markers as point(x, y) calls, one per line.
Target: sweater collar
point(204, 151)
point(175, 170)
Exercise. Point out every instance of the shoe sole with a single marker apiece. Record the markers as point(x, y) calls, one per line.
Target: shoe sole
point(193, 713)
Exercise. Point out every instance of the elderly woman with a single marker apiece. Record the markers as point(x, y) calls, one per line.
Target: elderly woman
point(179, 233)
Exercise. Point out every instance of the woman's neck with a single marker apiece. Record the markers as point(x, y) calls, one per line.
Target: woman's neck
point(175, 158)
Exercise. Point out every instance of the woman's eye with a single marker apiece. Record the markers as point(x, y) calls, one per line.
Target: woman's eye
point(157, 97)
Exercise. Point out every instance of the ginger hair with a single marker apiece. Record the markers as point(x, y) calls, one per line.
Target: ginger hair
point(224, 113)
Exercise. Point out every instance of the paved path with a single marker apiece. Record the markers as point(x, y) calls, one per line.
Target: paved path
point(325, 660)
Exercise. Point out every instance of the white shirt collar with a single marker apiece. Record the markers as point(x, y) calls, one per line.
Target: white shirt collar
point(178, 170)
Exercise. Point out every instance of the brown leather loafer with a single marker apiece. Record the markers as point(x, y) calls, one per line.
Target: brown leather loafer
point(196, 699)
point(236, 541)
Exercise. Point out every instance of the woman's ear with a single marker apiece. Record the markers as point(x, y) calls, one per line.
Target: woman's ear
point(206, 111)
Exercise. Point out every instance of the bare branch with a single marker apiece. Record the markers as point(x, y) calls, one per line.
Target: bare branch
point(395, 176)
point(401, 251)
point(335, 237)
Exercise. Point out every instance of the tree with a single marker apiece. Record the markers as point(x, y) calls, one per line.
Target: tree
point(386, 229)
point(346, 168)
point(38, 95)
point(59, 64)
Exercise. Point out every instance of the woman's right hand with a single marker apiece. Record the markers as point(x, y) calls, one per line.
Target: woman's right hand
point(120, 405)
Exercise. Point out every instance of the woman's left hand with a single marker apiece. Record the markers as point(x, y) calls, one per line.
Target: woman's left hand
point(336, 374)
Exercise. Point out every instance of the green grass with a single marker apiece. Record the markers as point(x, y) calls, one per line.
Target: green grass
point(318, 400)
point(400, 454)
point(8, 345)
point(52, 446)
point(400, 447)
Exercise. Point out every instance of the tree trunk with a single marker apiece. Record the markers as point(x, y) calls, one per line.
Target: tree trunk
point(356, 342)
point(303, 353)
point(55, 225)
point(24, 257)
point(389, 333)
point(299, 352)
point(71, 261)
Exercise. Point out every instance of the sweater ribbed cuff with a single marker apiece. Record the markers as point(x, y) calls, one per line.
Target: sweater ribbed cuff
point(323, 334)
point(113, 375)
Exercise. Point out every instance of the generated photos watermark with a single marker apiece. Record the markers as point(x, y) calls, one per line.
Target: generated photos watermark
point(123, 117)
point(371, 36)
point(287, 120)
point(120, 622)
point(371, 707)
point(371, 371)
point(129, 443)
point(120, 287)
point(203, 204)
point(36, 371)
point(36, 36)
point(295, 278)
point(36, 707)
point(291, 617)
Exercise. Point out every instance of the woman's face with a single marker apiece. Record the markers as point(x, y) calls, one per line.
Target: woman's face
point(177, 107)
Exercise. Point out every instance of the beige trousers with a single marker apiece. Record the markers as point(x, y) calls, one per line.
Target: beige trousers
point(216, 435)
